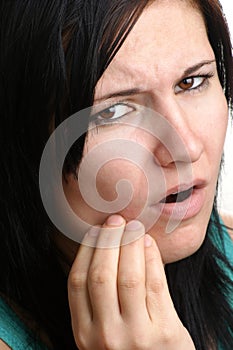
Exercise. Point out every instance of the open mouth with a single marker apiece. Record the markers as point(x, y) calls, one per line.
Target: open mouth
point(178, 197)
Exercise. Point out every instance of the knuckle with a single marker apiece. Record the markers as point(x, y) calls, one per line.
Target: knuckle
point(129, 283)
point(142, 342)
point(99, 277)
point(110, 344)
point(167, 335)
point(81, 335)
point(81, 341)
point(77, 281)
point(156, 286)
point(109, 340)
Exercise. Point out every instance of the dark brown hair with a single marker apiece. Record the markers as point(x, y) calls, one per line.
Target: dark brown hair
point(52, 53)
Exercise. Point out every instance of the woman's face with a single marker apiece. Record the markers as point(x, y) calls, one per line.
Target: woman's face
point(166, 64)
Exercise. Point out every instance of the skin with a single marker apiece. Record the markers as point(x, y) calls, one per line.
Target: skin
point(105, 285)
point(156, 66)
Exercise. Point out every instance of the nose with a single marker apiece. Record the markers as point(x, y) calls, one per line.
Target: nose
point(176, 133)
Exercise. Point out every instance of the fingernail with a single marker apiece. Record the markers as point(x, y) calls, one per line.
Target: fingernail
point(115, 220)
point(148, 241)
point(133, 225)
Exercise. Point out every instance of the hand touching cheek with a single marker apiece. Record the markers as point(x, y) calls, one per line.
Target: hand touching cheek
point(118, 293)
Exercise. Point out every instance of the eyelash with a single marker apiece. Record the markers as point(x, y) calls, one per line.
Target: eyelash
point(203, 84)
point(100, 121)
point(108, 121)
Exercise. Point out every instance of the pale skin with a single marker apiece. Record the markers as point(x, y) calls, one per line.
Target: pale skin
point(157, 71)
point(119, 297)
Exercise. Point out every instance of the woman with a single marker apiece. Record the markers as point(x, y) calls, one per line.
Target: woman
point(173, 58)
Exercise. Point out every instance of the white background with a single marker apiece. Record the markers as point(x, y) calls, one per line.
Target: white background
point(226, 184)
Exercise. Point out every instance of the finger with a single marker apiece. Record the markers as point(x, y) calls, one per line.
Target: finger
point(131, 275)
point(79, 301)
point(158, 299)
point(102, 280)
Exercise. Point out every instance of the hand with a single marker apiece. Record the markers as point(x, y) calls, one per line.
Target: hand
point(119, 298)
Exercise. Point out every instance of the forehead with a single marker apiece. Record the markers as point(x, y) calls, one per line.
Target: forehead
point(169, 37)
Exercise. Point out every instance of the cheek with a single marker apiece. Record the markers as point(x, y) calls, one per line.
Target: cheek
point(217, 134)
point(214, 122)
point(82, 207)
point(119, 185)
point(123, 182)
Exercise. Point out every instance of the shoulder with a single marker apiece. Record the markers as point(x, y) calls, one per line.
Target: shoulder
point(14, 332)
point(228, 221)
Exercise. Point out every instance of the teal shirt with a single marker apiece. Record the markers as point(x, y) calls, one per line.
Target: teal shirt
point(18, 337)
point(227, 248)
point(14, 332)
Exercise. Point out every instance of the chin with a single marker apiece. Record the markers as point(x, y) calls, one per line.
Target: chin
point(183, 242)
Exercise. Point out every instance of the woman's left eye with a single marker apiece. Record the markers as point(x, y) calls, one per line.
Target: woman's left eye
point(112, 113)
point(191, 83)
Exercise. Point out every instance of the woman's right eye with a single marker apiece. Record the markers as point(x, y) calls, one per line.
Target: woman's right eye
point(112, 113)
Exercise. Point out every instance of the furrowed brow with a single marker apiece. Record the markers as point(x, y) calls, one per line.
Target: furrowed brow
point(121, 93)
point(135, 91)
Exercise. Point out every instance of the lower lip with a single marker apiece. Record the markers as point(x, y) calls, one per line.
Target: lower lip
point(183, 210)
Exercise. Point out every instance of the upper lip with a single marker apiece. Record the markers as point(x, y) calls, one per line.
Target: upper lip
point(196, 184)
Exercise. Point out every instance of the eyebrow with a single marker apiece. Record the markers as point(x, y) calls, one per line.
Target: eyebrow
point(197, 66)
point(135, 91)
